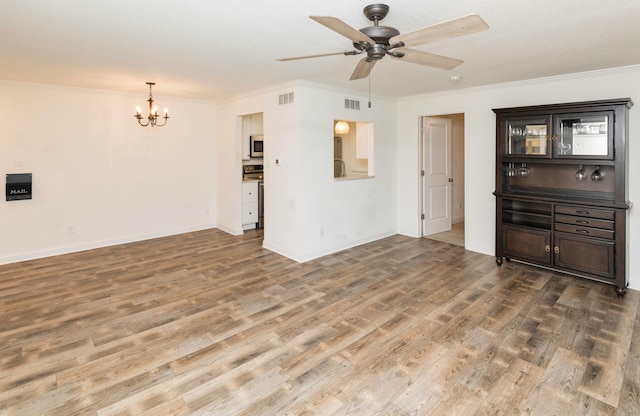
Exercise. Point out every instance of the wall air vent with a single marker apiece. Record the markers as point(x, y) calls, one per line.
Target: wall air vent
point(351, 104)
point(285, 98)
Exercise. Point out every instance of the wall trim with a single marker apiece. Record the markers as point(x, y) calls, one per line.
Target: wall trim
point(304, 257)
point(525, 82)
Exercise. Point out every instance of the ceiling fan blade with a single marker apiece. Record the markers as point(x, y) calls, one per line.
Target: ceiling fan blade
point(429, 59)
point(342, 28)
point(318, 55)
point(363, 69)
point(446, 30)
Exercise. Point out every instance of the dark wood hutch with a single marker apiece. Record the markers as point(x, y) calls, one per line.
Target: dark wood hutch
point(562, 188)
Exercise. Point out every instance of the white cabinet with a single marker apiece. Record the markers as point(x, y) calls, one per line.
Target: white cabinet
point(246, 155)
point(246, 132)
point(364, 140)
point(251, 124)
point(249, 204)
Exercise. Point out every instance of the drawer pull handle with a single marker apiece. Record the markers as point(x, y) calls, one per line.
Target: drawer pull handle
point(583, 212)
point(583, 231)
point(556, 249)
point(547, 248)
point(582, 222)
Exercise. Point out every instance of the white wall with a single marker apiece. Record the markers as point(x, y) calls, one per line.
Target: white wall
point(98, 177)
point(338, 214)
point(307, 212)
point(477, 104)
point(281, 131)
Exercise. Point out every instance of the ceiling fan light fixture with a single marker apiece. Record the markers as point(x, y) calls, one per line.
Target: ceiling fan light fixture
point(377, 52)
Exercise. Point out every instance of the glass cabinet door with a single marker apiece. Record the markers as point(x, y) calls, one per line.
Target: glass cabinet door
point(584, 136)
point(527, 137)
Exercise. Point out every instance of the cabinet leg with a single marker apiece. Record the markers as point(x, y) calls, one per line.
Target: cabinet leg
point(620, 291)
point(499, 261)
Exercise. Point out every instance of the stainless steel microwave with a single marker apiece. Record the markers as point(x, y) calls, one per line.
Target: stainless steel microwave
point(256, 144)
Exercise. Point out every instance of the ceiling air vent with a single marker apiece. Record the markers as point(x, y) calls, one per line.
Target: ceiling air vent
point(351, 104)
point(285, 98)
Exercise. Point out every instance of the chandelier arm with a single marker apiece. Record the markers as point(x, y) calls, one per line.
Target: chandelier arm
point(160, 125)
point(140, 121)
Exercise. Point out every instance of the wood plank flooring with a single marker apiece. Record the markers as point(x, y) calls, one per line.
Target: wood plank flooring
point(453, 236)
point(206, 323)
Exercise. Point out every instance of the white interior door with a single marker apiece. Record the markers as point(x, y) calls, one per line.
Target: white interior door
point(436, 159)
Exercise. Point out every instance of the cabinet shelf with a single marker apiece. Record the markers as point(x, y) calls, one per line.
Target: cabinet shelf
point(527, 207)
point(588, 200)
point(527, 219)
point(528, 224)
point(574, 161)
point(539, 214)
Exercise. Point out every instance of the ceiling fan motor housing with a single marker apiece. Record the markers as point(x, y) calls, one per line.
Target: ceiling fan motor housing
point(381, 35)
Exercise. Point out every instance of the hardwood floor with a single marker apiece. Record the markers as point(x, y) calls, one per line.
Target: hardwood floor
point(453, 236)
point(210, 324)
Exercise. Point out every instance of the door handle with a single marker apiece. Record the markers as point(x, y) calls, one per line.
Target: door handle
point(450, 179)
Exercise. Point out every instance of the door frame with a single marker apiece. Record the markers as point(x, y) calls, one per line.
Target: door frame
point(455, 157)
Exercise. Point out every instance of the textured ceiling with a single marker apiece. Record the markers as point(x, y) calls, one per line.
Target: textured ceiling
point(215, 50)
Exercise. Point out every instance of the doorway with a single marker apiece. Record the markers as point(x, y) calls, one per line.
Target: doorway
point(442, 177)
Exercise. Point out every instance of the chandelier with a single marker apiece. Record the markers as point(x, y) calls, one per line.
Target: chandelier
point(152, 118)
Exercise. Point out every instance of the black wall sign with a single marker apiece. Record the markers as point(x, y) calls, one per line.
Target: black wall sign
point(18, 186)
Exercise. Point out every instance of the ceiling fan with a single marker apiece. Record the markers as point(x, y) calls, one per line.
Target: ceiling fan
point(378, 41)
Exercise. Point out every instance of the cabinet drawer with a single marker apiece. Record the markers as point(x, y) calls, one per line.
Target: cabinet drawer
point(249, 213)
point(250, 192)
point(604, 214)
point(584, 222)
point(585, 231)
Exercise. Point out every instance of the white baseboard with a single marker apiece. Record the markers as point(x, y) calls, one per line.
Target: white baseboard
point(91, 245)
point(304, 257)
